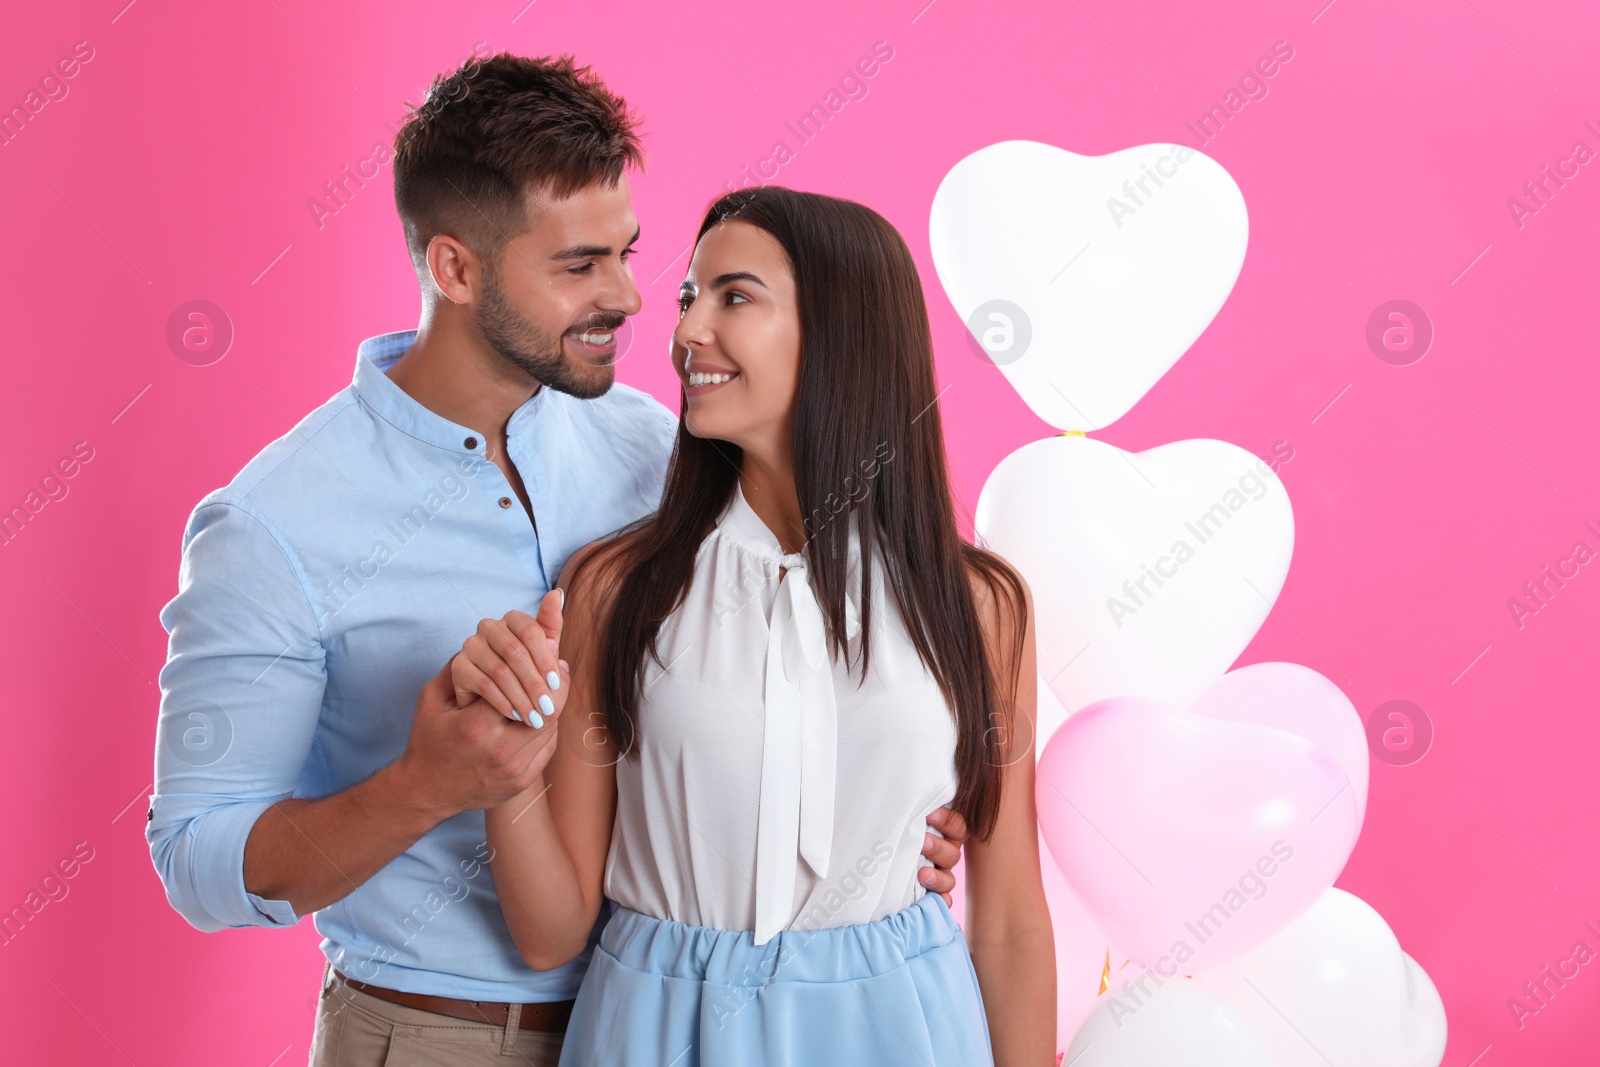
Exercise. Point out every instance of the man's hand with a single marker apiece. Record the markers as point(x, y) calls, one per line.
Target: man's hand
point(945, 852)
point(469, 758)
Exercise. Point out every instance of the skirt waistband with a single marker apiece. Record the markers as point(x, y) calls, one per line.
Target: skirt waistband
point(729, 957)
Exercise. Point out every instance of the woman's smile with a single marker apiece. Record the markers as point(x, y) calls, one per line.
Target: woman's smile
point(703, 379)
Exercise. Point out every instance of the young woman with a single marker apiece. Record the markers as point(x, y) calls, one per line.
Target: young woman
point(774, 680)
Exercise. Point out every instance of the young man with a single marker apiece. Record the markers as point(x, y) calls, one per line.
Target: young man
point(325, 585)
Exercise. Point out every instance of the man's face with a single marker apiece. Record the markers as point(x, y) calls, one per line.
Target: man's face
point(553, 303)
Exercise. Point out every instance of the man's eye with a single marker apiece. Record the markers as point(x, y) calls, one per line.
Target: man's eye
point(626, 252)
point(581, 270)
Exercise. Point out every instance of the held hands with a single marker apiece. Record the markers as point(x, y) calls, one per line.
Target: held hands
point(464, 752)
point(513, 663)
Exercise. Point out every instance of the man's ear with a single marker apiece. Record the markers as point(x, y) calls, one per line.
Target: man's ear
point(454, 269)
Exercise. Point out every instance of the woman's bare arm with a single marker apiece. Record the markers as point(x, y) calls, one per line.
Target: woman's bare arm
point(1007, 920)
point(549, 843)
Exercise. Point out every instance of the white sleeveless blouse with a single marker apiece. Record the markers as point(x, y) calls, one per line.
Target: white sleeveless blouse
point(770, 792)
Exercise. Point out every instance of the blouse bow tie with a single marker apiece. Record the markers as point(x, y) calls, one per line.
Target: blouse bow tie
point(800, 753)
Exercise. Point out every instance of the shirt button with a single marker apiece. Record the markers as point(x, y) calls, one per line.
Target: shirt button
point(471, 442)
point(505, 502)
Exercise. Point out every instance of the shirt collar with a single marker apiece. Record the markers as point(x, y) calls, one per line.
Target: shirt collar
point(376, 355)
point(740, 522)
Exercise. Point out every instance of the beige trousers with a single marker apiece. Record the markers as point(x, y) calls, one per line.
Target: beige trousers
point(356, 1029)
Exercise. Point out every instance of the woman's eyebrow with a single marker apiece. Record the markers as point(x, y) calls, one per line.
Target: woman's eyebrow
point(689, 288)
point(722, 280)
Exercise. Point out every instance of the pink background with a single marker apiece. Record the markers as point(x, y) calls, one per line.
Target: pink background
point(179, 167)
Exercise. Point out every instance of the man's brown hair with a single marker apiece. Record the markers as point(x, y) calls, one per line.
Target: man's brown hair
point(492, 128)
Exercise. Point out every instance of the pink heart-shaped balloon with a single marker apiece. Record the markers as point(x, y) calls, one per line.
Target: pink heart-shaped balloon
point(1297, 699)
point(1191, 839)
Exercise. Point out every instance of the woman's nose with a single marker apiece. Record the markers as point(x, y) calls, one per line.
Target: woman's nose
point(691, 331)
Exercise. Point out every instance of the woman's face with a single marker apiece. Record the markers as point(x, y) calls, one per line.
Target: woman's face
point(739, 320)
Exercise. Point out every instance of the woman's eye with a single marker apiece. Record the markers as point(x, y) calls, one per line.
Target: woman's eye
point(683, 306)
point(732, 296)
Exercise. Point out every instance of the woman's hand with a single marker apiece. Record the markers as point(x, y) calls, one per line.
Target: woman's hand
point(514, 664)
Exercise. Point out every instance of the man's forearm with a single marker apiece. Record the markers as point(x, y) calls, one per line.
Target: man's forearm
point(314, 853)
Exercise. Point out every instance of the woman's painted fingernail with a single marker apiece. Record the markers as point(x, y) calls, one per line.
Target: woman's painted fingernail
point(547, 705)
point(563, 593)
point(515, 715)
point(534, 720)
point(554, 679)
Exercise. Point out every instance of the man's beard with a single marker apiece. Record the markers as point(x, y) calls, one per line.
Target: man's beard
point(524, 345)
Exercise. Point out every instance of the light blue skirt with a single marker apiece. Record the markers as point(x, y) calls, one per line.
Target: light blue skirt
point(899, 991)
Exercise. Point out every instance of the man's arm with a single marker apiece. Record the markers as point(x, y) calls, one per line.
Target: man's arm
point(313, 853)
point(241, 694)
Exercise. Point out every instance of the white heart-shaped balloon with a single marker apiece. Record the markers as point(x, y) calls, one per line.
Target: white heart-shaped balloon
point(1334, 987)
point(1086, 277)
point(1150, 571)
point(1177, 1023)
point(1430, 1030)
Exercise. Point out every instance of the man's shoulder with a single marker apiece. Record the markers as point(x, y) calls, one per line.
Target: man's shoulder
point(629, 421)
point(278, 473)
point(626, 409)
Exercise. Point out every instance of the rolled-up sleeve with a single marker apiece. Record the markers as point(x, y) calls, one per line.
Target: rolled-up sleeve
point(241, 693)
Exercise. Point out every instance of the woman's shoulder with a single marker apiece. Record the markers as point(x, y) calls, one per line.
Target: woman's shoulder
point(591, 579)
point(1003, 600)
point(998, 589)
point(597, 569)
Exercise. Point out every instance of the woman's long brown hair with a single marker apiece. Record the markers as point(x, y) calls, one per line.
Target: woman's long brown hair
point(867, 440)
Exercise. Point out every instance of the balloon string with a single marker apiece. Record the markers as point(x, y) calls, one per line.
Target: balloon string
point(1105, 975)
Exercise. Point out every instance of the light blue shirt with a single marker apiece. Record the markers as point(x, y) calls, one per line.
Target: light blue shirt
point(319, 591)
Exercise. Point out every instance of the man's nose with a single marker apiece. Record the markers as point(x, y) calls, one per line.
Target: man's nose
point(621, 293)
